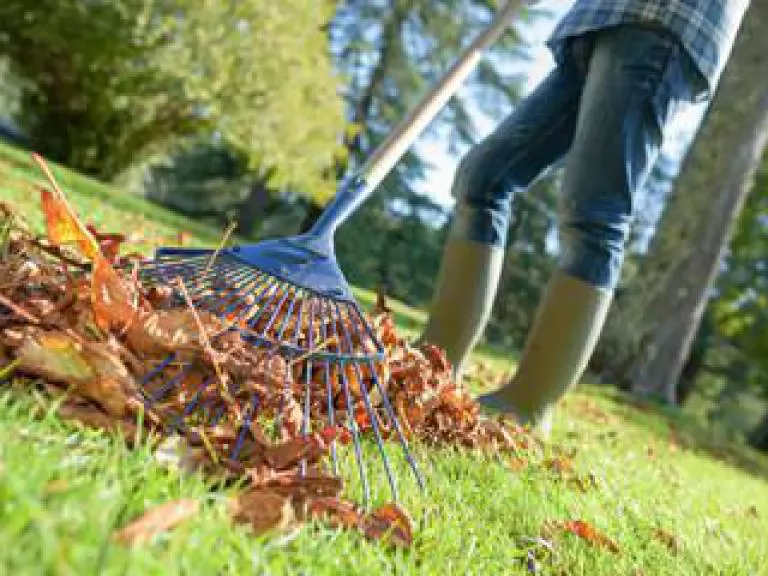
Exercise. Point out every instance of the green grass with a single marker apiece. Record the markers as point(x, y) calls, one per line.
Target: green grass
point(63, 489)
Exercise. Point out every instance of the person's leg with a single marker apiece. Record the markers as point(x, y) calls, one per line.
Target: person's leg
point(530, 140)
point(637, 79)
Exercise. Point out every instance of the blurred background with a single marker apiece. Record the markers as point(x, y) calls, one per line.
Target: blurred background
point(253, 111)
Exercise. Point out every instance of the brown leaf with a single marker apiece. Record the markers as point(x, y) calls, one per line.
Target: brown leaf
point(263, 510)
point(669, 540)
point(171, 330)
point(114, 300)
point(63, 227)
point(89, 367)
point(390, 523)
point(156, 521)
point(54, 355)
point(92, 417)
point(337, 512)
point(289, 453)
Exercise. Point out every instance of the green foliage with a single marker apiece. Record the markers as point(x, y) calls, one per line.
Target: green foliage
point(741, 305)
point(109, 83)
point(392, 51)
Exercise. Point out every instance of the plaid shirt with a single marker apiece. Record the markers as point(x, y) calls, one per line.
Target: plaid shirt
point(706, 28)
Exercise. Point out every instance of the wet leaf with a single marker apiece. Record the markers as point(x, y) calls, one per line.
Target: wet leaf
point(157, 521)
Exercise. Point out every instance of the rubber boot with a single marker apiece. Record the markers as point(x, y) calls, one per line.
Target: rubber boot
point(466, 288)
point(565, 331)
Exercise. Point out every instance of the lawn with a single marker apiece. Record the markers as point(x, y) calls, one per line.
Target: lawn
point(673, 500)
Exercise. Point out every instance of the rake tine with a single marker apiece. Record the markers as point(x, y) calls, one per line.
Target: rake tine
point(329, 392)
point(245, 426)
point(266, 287)
point(368, 407)
point(274, 290)
point(189, 408)
point(276, 313)
point(307, 379)
point(156, 370)
point(230, 274)
point(168, 386)
point(394, 419)
point(257, 281)
point(353, 425)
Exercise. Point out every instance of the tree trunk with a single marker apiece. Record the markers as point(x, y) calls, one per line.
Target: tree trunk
point(759, 436)
point(675, 280)
point(252, 209)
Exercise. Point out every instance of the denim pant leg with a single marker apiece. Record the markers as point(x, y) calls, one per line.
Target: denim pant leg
point(536, 135)
point(637, 79)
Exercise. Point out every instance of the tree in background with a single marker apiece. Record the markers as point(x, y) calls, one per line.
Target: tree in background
point(391, 52)
point(106, 84)
point(666, 303)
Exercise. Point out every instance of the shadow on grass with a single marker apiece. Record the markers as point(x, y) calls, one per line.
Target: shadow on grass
point(687, 432)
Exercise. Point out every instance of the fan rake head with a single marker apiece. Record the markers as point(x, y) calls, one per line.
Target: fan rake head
point(320, 362)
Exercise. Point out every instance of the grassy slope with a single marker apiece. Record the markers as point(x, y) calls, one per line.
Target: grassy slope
point(63, 489)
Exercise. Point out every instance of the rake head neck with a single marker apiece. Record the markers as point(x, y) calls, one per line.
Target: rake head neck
point(307, 261)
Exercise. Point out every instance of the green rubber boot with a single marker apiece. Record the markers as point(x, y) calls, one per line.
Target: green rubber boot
point(564, 334)
point(466, 288)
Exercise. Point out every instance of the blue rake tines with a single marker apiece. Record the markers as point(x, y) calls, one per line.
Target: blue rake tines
point(329, 337)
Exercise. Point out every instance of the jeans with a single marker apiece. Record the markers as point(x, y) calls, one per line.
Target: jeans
point(603, 110)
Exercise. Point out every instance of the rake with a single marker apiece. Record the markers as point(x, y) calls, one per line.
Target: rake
point(288, 295)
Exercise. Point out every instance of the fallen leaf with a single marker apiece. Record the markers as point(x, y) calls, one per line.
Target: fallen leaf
point(517, 464)
point(92, 417)
point(390, 523)
point(89, 367)
point(63, 227)
point(291, 452)
point(561, 465)
point(263, 510)
point(585, 531)
point(53, 355)
point(165, 331)
point(337, 512)
point(56, 487)
point(669, 540)
point(114, 300)
point(157, 521)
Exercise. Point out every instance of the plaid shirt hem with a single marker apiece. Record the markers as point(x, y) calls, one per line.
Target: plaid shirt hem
point(706, 28)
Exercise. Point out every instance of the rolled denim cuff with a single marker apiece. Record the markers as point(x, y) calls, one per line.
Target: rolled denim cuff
point(482, 225)
point(595, 269)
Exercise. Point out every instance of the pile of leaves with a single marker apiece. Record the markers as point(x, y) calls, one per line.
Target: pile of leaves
point(76, 321)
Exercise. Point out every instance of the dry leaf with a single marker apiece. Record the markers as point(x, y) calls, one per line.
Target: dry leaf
point(669, 540)
point(263, 510)
point(337, 512)
point(53, 355)
point(390, 523)
point(92, 417)
point(63, 227)
point(166, 331)
point(114, 299)
point(156, 521)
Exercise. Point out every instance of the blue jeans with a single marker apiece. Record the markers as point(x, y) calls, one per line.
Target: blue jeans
point(604, 109)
